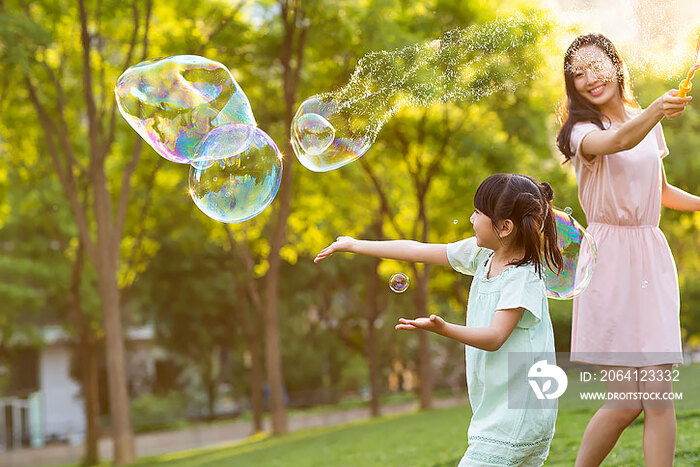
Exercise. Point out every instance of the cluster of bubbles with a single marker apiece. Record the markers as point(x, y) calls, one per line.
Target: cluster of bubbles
point(192, 111)
point(587, 60)
point(399, 282)
point(655, 37)
point(331, 130)
point(580, 253)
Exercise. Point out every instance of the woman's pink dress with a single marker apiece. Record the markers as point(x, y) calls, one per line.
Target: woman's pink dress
point(629, 313)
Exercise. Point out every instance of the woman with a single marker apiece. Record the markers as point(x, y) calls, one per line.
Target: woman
point(627, 319)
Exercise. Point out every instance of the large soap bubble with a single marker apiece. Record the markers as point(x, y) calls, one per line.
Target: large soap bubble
point(325, 138)
point(239, 175)
point(174, 102)
point(578, 248)
point(464, 65)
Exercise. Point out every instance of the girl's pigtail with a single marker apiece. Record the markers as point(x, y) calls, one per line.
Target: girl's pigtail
point(529, 209)
point(552, 255)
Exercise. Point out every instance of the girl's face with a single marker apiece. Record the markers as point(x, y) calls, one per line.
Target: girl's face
point(594, 75)
point(486, 235)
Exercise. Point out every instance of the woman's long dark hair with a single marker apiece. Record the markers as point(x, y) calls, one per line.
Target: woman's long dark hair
point(528, 204)
point(576, 108)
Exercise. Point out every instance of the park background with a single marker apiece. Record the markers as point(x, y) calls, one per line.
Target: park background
point(125, 311)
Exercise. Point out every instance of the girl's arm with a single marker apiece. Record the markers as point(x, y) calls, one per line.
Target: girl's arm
point(490, 338)
point(600, 142)
point(675, 198)
point(402, 250)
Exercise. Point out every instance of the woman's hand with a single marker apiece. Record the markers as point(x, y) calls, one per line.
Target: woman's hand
point(434, 324)
point(340, 244)
point(672, 105)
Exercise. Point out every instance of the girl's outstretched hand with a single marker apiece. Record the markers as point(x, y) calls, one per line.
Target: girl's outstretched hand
point(671, 105)
point(340, 244)
point(434, 323)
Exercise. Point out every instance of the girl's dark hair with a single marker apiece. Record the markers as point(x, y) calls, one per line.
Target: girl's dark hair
point(576, 108)
point(528, 204)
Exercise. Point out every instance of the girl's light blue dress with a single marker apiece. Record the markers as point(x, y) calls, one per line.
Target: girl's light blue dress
point(499, 434)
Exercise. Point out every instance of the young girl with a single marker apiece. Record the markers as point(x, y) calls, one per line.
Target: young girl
point(628, 316)
point(508, 327)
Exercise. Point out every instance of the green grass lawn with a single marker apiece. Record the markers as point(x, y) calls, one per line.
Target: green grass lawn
point(434, 438)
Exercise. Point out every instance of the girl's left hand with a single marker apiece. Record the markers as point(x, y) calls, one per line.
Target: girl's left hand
point(434, 323)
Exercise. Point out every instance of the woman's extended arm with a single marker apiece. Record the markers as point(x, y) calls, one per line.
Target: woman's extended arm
point(675, 198)
point(598, 143)
point(403, 250)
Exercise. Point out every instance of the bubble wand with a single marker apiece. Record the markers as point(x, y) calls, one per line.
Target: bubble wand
point(686, 85)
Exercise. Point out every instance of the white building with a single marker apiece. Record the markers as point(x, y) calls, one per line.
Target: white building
point(53, 409)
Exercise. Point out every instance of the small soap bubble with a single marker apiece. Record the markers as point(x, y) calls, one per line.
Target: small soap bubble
point(568, 210)
point(579, 251)
point(455, 221)
point(399, 282)
point(645, 284)
point(314, 133)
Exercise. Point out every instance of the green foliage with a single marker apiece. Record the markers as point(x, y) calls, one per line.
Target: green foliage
point(34, 263)
point(190, 294)
point(158, 412)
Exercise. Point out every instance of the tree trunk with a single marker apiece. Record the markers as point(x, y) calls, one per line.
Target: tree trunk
point(251, 331)
point(251, 327)
point(92, 402)
point(106, 256)
point(273, 358)
point(371, 346)
point(425, 371)
point(420, 299)
point(211, 397)
point(256, 381)
point(102, 246)
point(88, 360)
point(116, 368)
point(290, 14)
point(372, 314)
point(107, 266)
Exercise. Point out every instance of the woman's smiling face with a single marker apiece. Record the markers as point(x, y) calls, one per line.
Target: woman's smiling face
point(594, 74)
